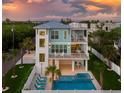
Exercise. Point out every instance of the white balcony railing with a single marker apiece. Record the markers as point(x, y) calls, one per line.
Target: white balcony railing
point(78, 40)
point(68, 55)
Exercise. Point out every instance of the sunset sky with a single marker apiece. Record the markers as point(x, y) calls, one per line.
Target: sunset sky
point(57, 9)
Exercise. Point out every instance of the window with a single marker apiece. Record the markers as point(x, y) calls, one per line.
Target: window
point(42, 57)
point(89, 25)
point(85, 33)
point(59, 48)
point(65, 34)
point(65, 49)
point(42, 33)
point(42, 42)
point(106, 28)
point(52, 49)
point(54, 34)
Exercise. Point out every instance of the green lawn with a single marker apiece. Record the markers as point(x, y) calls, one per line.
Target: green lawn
point(17, 84)
point(110, 78)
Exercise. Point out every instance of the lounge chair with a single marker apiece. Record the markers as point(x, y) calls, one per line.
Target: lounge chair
point(44, 78)
point(40, 83)
point(39, 87)
point(40, 80)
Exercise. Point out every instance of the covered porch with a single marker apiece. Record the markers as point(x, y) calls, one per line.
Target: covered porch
point(71, 67)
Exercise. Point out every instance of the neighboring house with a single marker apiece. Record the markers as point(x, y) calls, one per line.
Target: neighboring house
point(61, 44)
point(108, 26)
point(93, 27)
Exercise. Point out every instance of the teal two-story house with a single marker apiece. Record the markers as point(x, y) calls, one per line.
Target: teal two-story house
point(64, 45)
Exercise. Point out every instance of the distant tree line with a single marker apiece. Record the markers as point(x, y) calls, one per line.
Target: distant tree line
point(21, 31)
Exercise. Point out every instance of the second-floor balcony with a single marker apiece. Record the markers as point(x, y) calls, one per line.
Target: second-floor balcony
point(78, 39)
point(78, 36)
point(69, 56)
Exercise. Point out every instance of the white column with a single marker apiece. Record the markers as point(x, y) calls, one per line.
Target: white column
point(38, 68)
point(83, 64)
point(57, 63)
point(73, 65)
point(86, 65)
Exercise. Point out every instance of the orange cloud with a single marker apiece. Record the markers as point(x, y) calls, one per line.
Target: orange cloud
point(9, 6)
point(14, 7)
point(92, 7)
point(36, 1)
point(114, 3)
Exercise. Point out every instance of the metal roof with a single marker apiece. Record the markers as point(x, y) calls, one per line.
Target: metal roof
point(52, 24)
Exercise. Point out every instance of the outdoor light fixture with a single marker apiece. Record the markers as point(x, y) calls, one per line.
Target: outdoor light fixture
point(68, 45)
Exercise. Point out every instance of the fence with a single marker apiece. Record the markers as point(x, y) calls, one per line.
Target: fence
point(114, 67)
point(71, 91)
point(27, 60)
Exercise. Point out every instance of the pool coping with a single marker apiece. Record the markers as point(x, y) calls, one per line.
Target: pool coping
point(95, 82)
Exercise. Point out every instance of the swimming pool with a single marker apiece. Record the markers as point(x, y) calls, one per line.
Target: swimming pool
point(80, 81)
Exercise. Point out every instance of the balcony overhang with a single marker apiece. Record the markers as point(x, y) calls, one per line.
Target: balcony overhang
point(71, 56)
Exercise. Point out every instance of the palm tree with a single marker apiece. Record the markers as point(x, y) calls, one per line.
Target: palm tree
point(53, 71)
point(58, 73)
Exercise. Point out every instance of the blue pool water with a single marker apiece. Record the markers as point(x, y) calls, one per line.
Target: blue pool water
point(80, 81)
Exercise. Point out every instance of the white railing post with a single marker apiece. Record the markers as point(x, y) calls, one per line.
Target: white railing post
point(75, 91)
point(57, 91)
point(110, 91)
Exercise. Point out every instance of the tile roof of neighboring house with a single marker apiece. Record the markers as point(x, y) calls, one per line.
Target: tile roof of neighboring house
point(53, 24)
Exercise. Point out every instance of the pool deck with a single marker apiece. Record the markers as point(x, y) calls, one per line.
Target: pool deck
point(67, 69)
point(49, 84)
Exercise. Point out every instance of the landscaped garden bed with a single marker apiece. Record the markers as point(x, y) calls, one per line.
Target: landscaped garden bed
point(16, 84)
